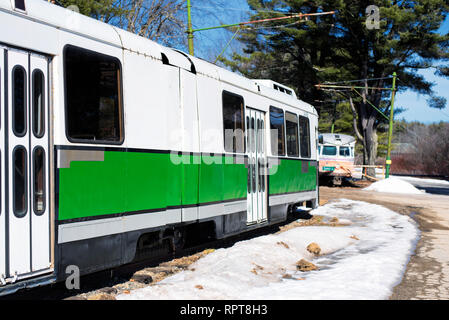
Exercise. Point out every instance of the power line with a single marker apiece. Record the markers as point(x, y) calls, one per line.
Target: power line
point(447, 115)
point(247, 27)
point(359, 80)
point(395, 123)
point(275, 27)
point(245, 10)
point(300, 16)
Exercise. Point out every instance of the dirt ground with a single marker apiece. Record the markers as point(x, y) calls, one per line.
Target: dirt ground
point(427, 273)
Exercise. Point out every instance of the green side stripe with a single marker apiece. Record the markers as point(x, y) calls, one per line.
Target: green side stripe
point(287, 177)
point(133, 181)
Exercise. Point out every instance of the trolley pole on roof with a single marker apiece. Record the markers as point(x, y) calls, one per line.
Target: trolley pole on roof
point(390, 129)
point(189, 28)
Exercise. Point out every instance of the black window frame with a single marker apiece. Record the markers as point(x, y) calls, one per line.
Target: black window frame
point(24, 212)
point(309, 147)
point(283, 134)
point(1, 106)
point(252, 124)
point(33, 106)
point(25, 101)
point(44, 186)
point(297, 135)
point(121, 102)
point(234, 147)
point(1, 187)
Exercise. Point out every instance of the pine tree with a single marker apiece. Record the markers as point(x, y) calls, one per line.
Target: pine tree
point(342, 47)
point(104, 10)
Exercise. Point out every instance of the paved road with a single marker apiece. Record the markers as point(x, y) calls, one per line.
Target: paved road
point(427, 273)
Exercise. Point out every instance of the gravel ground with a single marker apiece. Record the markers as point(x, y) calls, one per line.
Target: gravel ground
point(151, 275)
point(142, 278)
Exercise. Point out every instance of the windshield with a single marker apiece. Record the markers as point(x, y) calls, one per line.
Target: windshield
point(329, 151)
point(344, 151)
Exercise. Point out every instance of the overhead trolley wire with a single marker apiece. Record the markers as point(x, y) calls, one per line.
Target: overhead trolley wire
point(275, 27)
point(246, 10)
point(293, 16)
point(396, 122)
point(360, 80)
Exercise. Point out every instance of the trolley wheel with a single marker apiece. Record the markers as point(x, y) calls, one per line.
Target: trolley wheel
point(337, 181)
point(179, 239)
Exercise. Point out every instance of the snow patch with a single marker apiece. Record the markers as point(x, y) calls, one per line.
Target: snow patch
point(394, 185)
point(427, 181)
point(264, 268)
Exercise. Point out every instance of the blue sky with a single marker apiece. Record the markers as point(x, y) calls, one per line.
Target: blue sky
point(416, 105)
point(209, 44)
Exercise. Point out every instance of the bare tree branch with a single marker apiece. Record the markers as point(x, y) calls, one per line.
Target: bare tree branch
point(354, 121)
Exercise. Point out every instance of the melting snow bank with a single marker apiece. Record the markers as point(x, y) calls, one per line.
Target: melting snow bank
point(394, 185)
point(422, 180)
point(364, 260)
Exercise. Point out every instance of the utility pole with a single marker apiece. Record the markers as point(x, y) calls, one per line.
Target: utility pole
point(334, 115)
point(390, 129)
point(189, 28)
point(390, 119)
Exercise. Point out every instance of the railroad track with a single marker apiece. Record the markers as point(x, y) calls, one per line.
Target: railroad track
point(123, 274)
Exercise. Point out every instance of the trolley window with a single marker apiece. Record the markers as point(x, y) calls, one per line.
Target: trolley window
point(329, 151)
point(233, 122)
point(253, 136)
point(94, 108)
point(344, 152)
point(304, 135)
point(19, 101)
point(20, 181)
point(291, 126)
point(1, 76)
point(38, 103)
point(19, 4)
point(38, 180)
point(277, 131)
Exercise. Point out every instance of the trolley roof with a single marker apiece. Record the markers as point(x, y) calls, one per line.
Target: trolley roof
point(335, 138)
point(60, 18)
